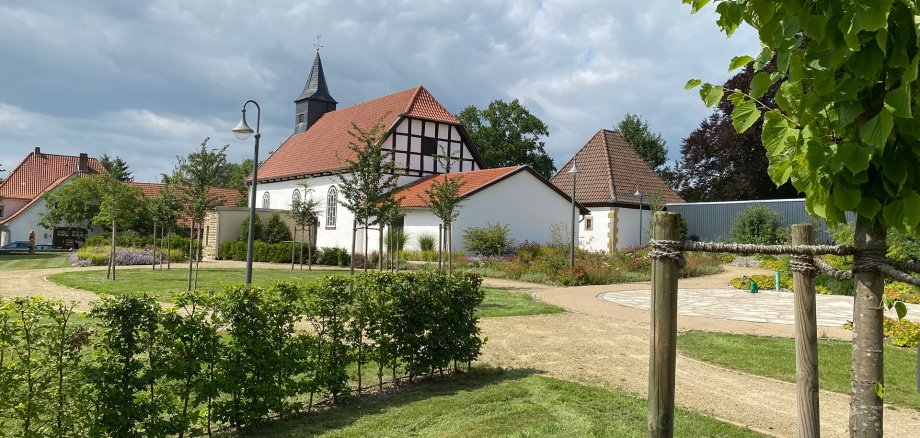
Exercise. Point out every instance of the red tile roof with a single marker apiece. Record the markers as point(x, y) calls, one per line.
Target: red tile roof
point(324, 146)
point(38, 171)
point(413, 195)
point(229, 197)
point(609, 170)
point(28, 205)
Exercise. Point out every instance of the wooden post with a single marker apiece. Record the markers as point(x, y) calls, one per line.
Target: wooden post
point(806, 342)
point(663, 338)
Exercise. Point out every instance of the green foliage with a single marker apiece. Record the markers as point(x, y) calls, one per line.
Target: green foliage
point(276, 231)
point(195, 175)
point(443, 198)
point(369, 179)
point(95, 199)
point(758, 225)
point(507, 134)
point(164, 208)
point(650, 146)
point(258, 232)
point(333, 256)
point(116, 168)
point(267, 252)
point(843, 132)
point(305, 209)
point(491, 240)
point(902, 333)
point(427, 241)
point(233, 357)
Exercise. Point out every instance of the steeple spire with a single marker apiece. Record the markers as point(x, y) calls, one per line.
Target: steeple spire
point(315, 99)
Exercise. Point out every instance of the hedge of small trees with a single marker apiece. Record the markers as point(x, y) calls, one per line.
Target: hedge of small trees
point(226, 358)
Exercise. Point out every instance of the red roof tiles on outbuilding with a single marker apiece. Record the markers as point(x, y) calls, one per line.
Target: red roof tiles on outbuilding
point(39, 170)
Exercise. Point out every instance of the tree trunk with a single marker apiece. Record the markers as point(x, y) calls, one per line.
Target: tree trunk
point(365, 246)
point(198, 253)
point(191, 240)
point(380, 249)
point(310, 249)
point(154, 264)
point(450, 247)
point(112, 257)
point(354, 236)
point(865, 405)
point(168, 249)
point(293, 247)
point(440, 246)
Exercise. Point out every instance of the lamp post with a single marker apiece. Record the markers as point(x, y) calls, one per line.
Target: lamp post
point(243, 131)
point(639, 194)
point(574, 172)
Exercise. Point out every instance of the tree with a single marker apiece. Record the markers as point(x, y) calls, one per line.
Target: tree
point(305, 212)
point(119, 203)
point(443, 198)
point(843, 133)
point(650, 146)
point(193, 179)
point(163, 210)
point(507, 134)
point(368, 180)
point(237, 180)
point(276, 231)
point(116, 167)
point(720, 164)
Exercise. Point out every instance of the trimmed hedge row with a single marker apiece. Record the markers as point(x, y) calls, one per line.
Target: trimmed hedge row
point(281, 253)
point(225, 358)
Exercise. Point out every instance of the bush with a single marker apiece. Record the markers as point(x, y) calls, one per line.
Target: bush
point(258, 230)
point(759, 225)
point(333, 256)
point(277, 231)
point(266, 252)
point(491, 240)
point(231, 357)
point(99, 256)
point(902, 333)
point(427, 241)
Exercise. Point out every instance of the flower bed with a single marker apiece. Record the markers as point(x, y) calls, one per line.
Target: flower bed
point(99, 256)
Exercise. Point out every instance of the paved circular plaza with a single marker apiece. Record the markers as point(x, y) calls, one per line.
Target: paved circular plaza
point(765, 306)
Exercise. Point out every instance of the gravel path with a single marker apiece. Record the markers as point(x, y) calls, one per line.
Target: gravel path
point(604, 344)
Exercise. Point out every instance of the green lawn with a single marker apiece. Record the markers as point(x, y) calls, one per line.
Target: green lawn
point(500, 302)
point(33, 261)
point(494, 403)
point(775, 357)
point(162, 284)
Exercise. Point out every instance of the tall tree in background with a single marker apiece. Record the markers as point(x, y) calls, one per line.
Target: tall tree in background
point(718, 163)
point(843, 131)
point(237, 180)
point(368, 181)
point(650, 145)
point(193, 179)
point(507, 134)
point(116, 167)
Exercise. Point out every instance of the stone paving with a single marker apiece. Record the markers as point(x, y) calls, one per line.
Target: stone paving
point(766, 306)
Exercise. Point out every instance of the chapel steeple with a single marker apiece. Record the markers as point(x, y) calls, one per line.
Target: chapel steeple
point(315, 99)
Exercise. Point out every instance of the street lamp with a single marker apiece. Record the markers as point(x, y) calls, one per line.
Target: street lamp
point(639, 194)
point(243, 131)
point(574, 172)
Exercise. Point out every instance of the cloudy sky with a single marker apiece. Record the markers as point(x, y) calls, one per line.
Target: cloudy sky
point(150, 80)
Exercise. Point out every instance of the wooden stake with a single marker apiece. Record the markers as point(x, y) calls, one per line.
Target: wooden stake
point(663, 337)
point(806, 342)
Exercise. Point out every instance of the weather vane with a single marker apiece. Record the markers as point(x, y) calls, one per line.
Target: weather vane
point(317, 44)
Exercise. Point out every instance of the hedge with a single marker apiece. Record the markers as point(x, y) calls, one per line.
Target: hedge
point(281, 253)
point(225, 358)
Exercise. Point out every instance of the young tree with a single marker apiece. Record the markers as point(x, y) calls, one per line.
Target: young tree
point(119, 203)
point(73, 204)
point(650, 146)
point(236, 179)
point(367, 182)
point(718, 163)
point(163, 209)
point(507, 134)
point(192, 180)
point(116, 167)
point(443, 198)
point(305, 212)
point(843, 133)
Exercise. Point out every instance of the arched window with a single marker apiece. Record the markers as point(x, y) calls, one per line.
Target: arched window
point(295, 197)
point(266, 200)
point(332, 201)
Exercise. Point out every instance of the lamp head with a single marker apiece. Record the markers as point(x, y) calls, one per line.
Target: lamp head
point(638, 193)
point(242, 129)
point(573, 171)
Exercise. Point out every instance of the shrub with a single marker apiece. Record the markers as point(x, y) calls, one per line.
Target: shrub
point(902, 333)
point(398, 236)
point(333, 256)
point(277, 231)
point(427, 241)
point(758, 225)
point(258, 230)
point(99, 256)
point(491, 240)
point(264, 252)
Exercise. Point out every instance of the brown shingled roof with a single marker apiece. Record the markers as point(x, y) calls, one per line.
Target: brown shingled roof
point(324, 146)
point(39, 170)
point(609, 170)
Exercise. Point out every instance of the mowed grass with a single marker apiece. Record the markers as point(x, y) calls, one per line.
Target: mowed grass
point(492, 402)
point(34, 261)
point(501, 302)
point(775, 357)
point(161, 285)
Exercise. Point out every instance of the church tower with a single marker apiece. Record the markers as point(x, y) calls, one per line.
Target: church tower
point(315, 99)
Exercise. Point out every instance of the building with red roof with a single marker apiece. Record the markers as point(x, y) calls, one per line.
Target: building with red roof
point(420, 135)
point(21, 203)
point(618, 186)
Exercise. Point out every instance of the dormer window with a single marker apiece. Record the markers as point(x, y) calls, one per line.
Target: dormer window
point(300, 118)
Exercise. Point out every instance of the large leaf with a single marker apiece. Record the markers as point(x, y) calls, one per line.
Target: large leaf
point(871, 14)
point(711, 94)
point(901, 309)
point(745, 115)
point(899, 101)
point(760, 84)
point(692, 83)
point(846, 198)
point(875, 132)
point(775, 132)
point(780, 170)
point(738, 62)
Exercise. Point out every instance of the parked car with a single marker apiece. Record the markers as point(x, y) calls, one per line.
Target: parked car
point(44, 247)
point(16, 245)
